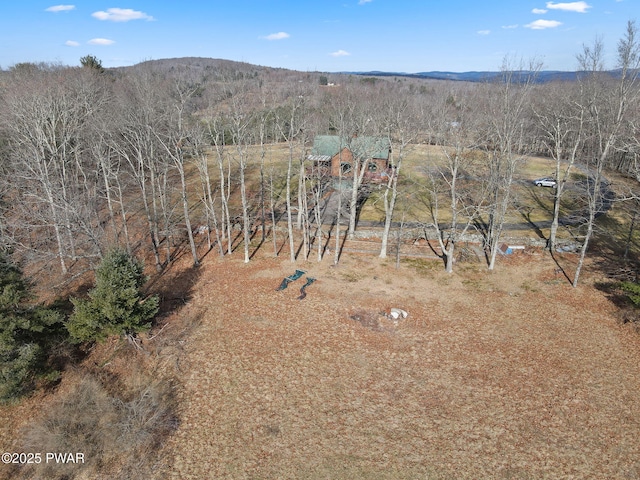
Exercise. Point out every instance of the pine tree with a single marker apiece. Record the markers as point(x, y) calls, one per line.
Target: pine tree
point(92, 62)
point(26, 332)
point(116, 306)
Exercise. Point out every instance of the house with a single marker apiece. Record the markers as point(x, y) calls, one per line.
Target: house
point(334, 156)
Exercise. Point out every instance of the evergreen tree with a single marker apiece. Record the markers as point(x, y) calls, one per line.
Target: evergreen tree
point(92, 62)
point(26, 332)
point(116, 305)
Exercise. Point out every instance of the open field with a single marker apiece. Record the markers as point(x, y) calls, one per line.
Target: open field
point(508, 375)
point(531, 207)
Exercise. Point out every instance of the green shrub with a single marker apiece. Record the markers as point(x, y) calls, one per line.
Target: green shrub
point(116, 306)
point(633, 292)
point(26, 333)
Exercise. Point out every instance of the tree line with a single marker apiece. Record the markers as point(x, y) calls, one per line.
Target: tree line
point(150, 159)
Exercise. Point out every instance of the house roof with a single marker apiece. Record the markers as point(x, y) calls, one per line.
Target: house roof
point(364, 147)
point(319, 158)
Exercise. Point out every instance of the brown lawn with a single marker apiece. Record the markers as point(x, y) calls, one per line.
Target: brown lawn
point(511, 374)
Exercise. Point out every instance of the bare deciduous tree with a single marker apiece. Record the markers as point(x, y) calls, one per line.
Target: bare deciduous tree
point(47, 115)
point(607, 103)
point(458, 135)
point(561, 119)
point(201, 157)
point(290, 122)
point(401, 126)
point(175, 141)
point(240, 119)
point(506, 144)
point(139, 114)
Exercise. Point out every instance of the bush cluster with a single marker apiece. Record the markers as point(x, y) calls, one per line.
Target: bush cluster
point(632, 291)
point(111, 429)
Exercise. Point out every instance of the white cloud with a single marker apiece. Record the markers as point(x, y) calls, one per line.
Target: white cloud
point(580, 7)
point(121, 15)
point(340, 53)
point(484, 32)
point(539, 11)
point(543, 24)
point(101, 41)
point(510, 27)
point(71, 43)
point(60, 8)
point(277, 36)
point(362, 2)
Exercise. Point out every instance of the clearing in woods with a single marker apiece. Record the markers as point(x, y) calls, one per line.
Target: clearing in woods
point(510, 374)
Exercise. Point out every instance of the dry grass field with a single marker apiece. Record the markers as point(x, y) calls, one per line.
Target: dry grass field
point(512, 374)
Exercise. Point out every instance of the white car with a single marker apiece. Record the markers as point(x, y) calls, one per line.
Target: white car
point(545, 182)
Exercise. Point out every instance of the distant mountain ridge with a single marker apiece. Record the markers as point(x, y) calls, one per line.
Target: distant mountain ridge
point(196, 63)
point(541, 77)
point(208, 64)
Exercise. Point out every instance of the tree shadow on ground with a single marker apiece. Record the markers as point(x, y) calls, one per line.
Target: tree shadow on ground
point(175, 286)
point(536, 194)
point(525, 212)
point(263, 239)
point(627, 312)
point(614, 293)
point(561, 269)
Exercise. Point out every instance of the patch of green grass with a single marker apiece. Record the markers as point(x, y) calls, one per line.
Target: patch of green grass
point(473, 275)
point(537, 167)
point(474, 283)
point(423, 267)
point(373, 208)
point(474, 267)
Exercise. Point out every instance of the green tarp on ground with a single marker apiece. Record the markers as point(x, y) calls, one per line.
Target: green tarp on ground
point(303, 293)
point(285, 282)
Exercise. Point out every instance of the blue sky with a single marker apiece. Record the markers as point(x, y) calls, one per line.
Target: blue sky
point(323, 35)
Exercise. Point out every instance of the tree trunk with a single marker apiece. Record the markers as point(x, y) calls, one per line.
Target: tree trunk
point(292, 251)
point(274, 232)
point(245, 212)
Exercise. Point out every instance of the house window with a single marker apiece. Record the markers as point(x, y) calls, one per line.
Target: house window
point(345, 167)
point(373, 167)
